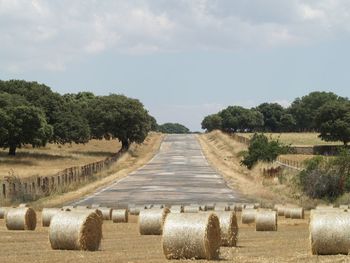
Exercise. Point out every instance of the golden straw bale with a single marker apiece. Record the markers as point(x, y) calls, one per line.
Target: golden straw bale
point(3, 211)
point(191, 235)
point(120, 216)
point(176, 209)
point(47, 214)
point(106, 212)
point(157, 206)
point(222, 208)
point(325, 206)
point(266, 221)
point(21, 218)
point(192, 208)
point(228, 227)
point(76, 230)
point(296, 213)
point(345, 207)
point(23, 205)
point(330, 233)
point(95, 205)
point(248, 216)
point(151, 221)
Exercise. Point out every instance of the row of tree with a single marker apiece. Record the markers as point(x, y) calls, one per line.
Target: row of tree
point(31, 113)
point(323, 112)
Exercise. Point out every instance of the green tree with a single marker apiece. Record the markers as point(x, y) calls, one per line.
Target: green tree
point(212, 122)
point(272, 113)
point(116, 116)
point(261, 149)
point(173, 128)
point(23, 125)
point(333, 120)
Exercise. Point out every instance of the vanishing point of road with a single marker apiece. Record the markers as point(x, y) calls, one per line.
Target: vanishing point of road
point(178, 174)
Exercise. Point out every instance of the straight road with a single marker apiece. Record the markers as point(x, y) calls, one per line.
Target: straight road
point(178, 174)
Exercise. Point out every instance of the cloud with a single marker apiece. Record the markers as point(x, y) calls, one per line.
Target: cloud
point(43, 34)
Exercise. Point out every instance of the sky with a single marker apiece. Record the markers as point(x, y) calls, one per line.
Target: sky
point(183, 59)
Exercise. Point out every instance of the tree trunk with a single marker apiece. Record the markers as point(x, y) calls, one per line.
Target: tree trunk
point(125, 145)
point(12, 150)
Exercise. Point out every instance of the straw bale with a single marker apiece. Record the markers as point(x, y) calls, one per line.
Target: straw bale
point(330, 233)
point(23, 205)
point(266, 221)
point(120, 216)
point(222, 208)
point(82, 207)
point(192, 208)
point(68, 208)
point(151, 221)
point(192, 235)
point(325, 206)
point(76, 230)
point(157, 206)
point(228, 227)
point(106, 212)
point(345, 207)
point(47, 214)
point(248, 216)
point(135, 210)
point(21, 218)
point(209, 207)
point(95, 205)
point(176, 209)
point(296, 213)
point(3, 211)
point(250, 206)
point(238, 207)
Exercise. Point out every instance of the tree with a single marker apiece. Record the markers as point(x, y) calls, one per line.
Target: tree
point(212, 122)
point(261, 149)
point(153, 123)
point(333, 120)
point(305, 109)
point(116, 116)
point(272, 113)
point(173, 128)
point(23, 125)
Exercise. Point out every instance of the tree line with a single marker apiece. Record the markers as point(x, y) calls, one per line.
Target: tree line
point(31, 113)
point(323, 112)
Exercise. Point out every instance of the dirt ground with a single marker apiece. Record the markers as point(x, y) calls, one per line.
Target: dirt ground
point(122, 243)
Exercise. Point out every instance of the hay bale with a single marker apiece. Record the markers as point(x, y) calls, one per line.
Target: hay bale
point(3, 211)
point(95, 205)
point(325, 206)
point(280, 209)
point(106, 213)
point(288, 209)
point(296, 213)
point(192, 208)
point(345, 207)
point(330, 233)
point(82, 207)
point(21, 218)
point(23, 205)
point(222, 208)
point(47, 214)
point(209, 207)
point(151, 221)
point(76, 231)
point(250, 206)
point(120, 216)
point(176, 209)
point(228, 228)
point(135, 210)
point(266, 221)
point(238, 207)
point(192, 235)
point(157, 206)
point(248, 216)
point(68, 208)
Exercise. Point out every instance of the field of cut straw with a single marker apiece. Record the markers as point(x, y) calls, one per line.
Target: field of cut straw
point(296, 139)
point(123, 243)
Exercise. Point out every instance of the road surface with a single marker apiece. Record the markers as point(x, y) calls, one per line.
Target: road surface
point(178, 174)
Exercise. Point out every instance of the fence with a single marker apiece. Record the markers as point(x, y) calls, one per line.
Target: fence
point(35, 187)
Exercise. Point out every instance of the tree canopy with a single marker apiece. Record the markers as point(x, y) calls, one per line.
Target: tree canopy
point(173, 128)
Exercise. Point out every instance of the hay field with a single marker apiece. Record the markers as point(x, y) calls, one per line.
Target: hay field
point(54, 158)
point(295, 138)
point(122, 243)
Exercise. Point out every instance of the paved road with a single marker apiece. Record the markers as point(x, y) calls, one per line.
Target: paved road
point(178, 174)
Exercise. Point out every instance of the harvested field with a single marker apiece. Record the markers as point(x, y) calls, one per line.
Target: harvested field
point(295, 138)
point(122, 243)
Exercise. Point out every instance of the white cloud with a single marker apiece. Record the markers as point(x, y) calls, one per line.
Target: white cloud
point(34, 33)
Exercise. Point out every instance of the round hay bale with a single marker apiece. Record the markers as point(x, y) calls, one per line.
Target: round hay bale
point(209, 207)
point(288, 209)
point(106, 212)
point(120, 216)
point(238, 207)
point(248, 216)
point(95, 205)
point(176, 209)
point(3, 211)
point(47, 214)
point(82, 207)
point(192, 208)
point(222, 208)
point(151, 221)
point(76, 231)
point(296, 213)
point(280, 210)
point(134, 211)
point(22, 218)
point(250, 206)
point(345, 207)
point(266, 221)
point(192, 235)
point(330, 233)
point(23, 205)
point(325, 206)
point(157, 206)
point(228, 228)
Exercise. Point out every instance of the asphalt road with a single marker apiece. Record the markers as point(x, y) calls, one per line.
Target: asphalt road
point(178, 174)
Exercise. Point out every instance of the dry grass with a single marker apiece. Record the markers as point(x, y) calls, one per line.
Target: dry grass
point(296, 139)
point(54, 158)
point(122, 243)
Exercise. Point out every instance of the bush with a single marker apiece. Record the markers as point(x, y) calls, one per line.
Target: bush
point(261, 149)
